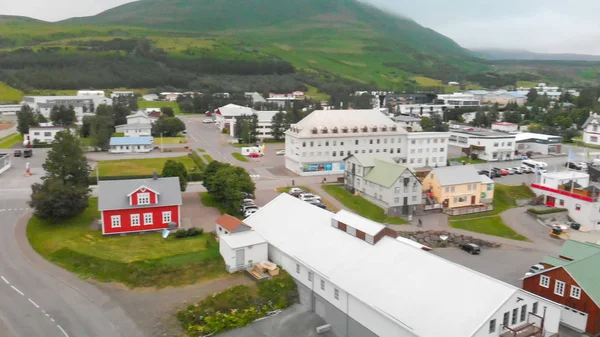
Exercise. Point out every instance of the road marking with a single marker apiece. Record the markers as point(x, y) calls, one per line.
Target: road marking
point(5, 280)
point(32, 302)
point(17, 290)
point(63, 330)
point(52, 319)
point(47, 315)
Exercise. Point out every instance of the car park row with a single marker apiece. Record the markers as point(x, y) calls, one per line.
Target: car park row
point(304, 195)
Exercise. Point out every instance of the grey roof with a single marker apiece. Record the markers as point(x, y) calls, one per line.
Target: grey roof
point(457, 175)
point(113, 194)
point(590, 119)
point(368, 160)
point(134, 126)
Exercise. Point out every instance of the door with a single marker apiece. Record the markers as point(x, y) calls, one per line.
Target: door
point(573, 318)
point(472, 200)
point(239, 257)
point(550, 201)
point(319, 307)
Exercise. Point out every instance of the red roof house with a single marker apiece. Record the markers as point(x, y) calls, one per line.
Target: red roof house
point(139, 205)
point(228, 224)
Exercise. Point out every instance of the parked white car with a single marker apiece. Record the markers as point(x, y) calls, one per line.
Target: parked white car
point(250, 211)
point(309, 197)
point(527, 169)
point(280, 153)
point(208, 121)
point(296, 190)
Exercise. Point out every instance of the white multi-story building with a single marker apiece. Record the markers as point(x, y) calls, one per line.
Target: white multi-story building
point(135, 130)
point(9, 109)
point(488, 145)
point(84, 104)
point(119, 94)
point(93, 93)
point(419, 109)
point(458, 100)
point(365, 282)
point(408, 122)
point(43, 134)
point(319, 143)
point(225, 117)
point(591, 131)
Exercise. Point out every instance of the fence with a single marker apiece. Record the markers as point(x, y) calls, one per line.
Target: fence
point(468, 210)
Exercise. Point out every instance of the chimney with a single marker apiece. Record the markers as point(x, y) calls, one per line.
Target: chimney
point(154, 175)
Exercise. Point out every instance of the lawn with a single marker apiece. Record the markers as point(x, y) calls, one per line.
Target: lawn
point(158, 105)
point(10, 94)
point(491, 225)
point(200, 150)
point(208, 158)
point(239, 157)
point(469, 160)
point(10, 141)
point(169, 140)
point(331, 207)
point(504, 198)
point(316, 95)
point(361, 206)
point(136, 167)
point(136, 260)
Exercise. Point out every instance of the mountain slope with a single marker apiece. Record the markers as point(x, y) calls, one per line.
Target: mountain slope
point(525, 55)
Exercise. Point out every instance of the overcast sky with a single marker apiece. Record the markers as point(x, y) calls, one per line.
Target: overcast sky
point(550, 26)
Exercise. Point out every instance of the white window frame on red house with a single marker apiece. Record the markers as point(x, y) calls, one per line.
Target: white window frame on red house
point(115, 221)
point(544, 281)
point(575, 292)
point(135, 220)
point(166, 217)
point(148, 219)
point(559, 288)
point(143, 198)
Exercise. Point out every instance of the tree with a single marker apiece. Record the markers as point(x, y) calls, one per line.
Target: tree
point(120, 113)
point(101, 130)
point(493, 115)
point(566, 97)
point(167, 110)
point(40, 118)
point(278, 126)
point(225, 183)
point(55, 199)
point(512, 117)
point(168, 126)
point(86, 127)
point(434, 123)
point(66, 161)
point(25, 119)
point(176, 169)
point(532, 95)
point(61, 115)
point(253, 128)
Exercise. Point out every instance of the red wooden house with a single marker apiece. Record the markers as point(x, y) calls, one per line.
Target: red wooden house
point(139, 205)
point(573, 280)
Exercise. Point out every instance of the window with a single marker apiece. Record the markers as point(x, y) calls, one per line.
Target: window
point(143, 198)
point(341, 143)
point(505, 319)
point(575, 292)
point(297, 268)
point(310, 276)
point(342, 153)
point(378, 141)
point(561, 202)
point(544, 281)
point(336, 294)
point(397, 190)
point(166, 217)
point(577, 207)
point(322, 285)
point(534, 307)
point(447, 189)
point(370, 141)
point(594, 139)
point(420, 160)
point(523, 313)
point(334, 153)
point(509, 143)
point(397, 150)
point(495, 144)
point(47, 134)
point(396, 200)
point(312, 144)
point(303, 144)
point(135, 220)
point(559, 288)
point(515, 312)
point(115, 221)
point(370, 151)
point(452, 189)
point(441, 149)
point(148, 219)
point(492, 328)
point(414, 198)
point(413, 141)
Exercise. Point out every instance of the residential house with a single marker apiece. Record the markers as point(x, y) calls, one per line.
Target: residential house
point(225, 117)
point(591, 134)
point(457, 100)
point(456, 187)
point(43, 134)
point(170, 96)
point(505, 127)
point(421, 110)
point(227, 224)
point(139, 205)
point(538, 143)
point(135, 129)
point(391, 186)
point(487, 145)
point(408, 123)
point(4, 162)
point(319, 143)
point(140, 117)
point(361, 280)
point(131, 144)
point(242, 250)
point(9, 109)
point(571, 190)
point(119, 94)
point(572, 279)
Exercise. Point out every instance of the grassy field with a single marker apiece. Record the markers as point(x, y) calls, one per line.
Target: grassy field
point(331, 207)
point(10, 140)
point(239, 157)
point(170, 140)
point(158, 105)
point(315, 94)
point(146, 166)
point(361, 206)
point(200, 150)
point(526, 84)
point(209, 159)
point(136, 260)
point(10, 94)
point(491, 225)
point(469, 160)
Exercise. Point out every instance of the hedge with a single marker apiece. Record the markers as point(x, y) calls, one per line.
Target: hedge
point(199, 162)
point(546, 211)
point(194, 176)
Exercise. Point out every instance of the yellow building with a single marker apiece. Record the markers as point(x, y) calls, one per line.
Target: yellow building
point(459, 186)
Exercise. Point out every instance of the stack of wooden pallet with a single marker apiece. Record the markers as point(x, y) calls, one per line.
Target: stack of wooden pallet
point(269, 267)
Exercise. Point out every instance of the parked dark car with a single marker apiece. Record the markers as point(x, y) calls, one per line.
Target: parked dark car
point(27, 153)
point(470, 248)
point(318, 204)
point(574, 225)
point(18, 153)
point(574, 166)
point(247, 195)
point(491, 174)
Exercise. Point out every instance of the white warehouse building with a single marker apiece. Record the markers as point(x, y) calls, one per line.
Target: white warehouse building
point(488, 145)
point(365, 282)
point(225, 117)
point(81, 104)
point(319, 143)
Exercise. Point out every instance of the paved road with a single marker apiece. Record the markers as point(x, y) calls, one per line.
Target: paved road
point(38, 298)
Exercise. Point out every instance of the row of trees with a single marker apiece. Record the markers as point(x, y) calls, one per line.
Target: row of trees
point(225, 183)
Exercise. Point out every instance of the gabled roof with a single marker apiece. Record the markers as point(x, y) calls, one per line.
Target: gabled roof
point(485, 179)
point(243, 239)
point(385, 173)
point(139, 114)
point(131, 141)
point(393, 278)
point(144, 189)
point(229, 222)
point(578, 250)
point(234, 110)
point(113, 194)
point(585, 272)
point(590, 119)
point(456, 175)
point(362, 224)
point(134, 126)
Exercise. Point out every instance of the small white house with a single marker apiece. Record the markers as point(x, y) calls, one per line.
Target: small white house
point(242, 250)
point(131, 144)
point(140, 117)
point(4, 162)
point(228, 224)
point(135, 130)
point(43, 134)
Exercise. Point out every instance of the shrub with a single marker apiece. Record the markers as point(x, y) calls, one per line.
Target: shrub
point(546, 211)
point(199, 162)
point(94, 181)
point(188, 233)
point(118, 134)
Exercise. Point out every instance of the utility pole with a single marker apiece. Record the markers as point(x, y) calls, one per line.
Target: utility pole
point(161, 142)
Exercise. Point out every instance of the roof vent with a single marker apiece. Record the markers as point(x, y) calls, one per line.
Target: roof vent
point(154, 175)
